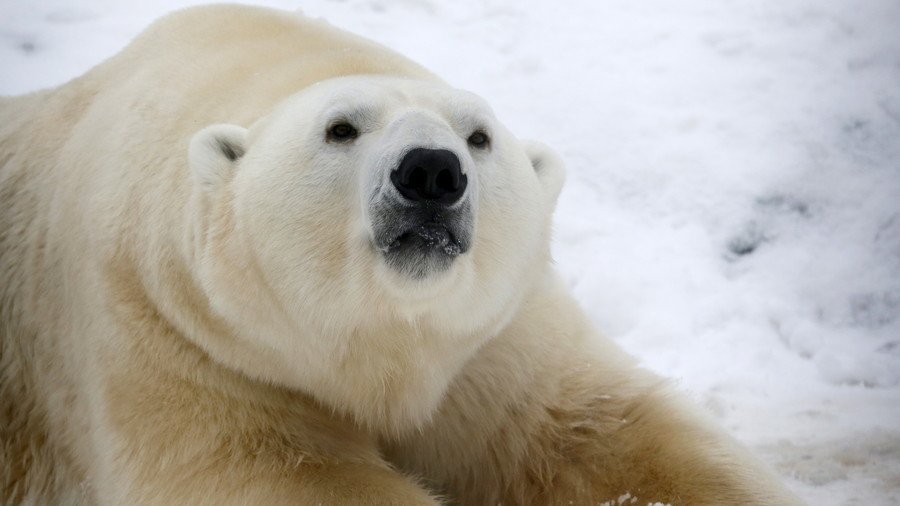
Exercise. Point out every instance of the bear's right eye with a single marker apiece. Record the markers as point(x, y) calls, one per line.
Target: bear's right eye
point(479, 139)
point(342, 132)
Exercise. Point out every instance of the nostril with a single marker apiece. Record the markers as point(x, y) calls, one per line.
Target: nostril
point(417, 178)
point(430, 175)
point(444, 180)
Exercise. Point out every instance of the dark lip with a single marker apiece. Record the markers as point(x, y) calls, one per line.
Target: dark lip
point(431, 235)
point(421, 240)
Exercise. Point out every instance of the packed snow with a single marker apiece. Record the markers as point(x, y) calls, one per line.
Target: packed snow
point(732, 209)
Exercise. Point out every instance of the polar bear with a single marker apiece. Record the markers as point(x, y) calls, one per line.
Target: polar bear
point(252, 259)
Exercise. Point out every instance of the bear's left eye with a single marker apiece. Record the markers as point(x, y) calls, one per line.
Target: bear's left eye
point(479, 139)
point(342, 132)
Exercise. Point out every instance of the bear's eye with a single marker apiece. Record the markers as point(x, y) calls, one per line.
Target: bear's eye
point(479, 139)
point(342, 132)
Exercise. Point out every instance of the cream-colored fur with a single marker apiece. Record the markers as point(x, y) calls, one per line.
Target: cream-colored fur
point(192, 311)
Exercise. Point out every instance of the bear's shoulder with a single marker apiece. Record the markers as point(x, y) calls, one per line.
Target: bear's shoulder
point(265, 40)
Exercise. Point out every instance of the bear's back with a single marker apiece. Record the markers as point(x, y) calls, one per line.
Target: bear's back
point(233, 63)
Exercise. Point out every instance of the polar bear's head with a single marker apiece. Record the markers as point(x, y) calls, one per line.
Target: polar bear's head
point(370, 228)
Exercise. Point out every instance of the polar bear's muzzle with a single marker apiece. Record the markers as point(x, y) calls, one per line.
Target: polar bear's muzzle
point(426, 222)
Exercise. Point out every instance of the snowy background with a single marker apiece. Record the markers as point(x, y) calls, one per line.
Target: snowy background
point(732, 211)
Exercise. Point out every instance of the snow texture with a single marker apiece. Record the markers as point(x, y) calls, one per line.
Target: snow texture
point(732, 210)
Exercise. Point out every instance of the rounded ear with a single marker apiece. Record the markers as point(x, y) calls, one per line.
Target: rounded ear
point(214, 153)
point(548, 167)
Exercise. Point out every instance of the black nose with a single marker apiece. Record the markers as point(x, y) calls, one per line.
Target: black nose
point(430, 175)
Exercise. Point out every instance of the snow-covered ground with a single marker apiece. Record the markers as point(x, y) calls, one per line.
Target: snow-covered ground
point(732, 212)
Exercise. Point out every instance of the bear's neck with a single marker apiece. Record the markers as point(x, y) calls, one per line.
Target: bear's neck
point(388, 375)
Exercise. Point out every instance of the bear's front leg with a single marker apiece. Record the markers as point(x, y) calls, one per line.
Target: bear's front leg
point(165, 440)
point(549, 413)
